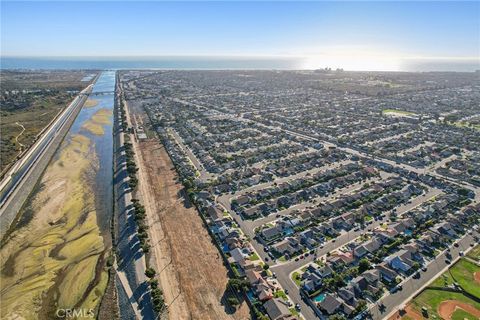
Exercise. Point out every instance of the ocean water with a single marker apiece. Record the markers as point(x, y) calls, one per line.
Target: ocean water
point(215, 63)
point(189, 63)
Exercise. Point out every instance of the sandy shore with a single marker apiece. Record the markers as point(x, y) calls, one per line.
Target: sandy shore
point(90, 103)
point(98, 121)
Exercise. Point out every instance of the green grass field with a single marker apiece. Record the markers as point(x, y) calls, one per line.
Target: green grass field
point(431, 299)
point(475, 253)
point(398, 112)
point(463, 274)
point(461, 315)
point(254, 257)
point(280, 294)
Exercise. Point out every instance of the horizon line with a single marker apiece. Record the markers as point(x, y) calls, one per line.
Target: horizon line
point(237, 56)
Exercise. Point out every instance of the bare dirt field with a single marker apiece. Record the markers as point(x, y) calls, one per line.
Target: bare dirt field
point(409, 313)
point(412, 313)
point(447, 308)
point(192, 274)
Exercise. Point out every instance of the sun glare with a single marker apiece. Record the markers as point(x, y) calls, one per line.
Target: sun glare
point(353, 60)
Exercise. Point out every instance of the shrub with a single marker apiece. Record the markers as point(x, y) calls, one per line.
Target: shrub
point(150, 272)
point(233, 301)
point(110, 261)
point(145, 247)
point(153, 283)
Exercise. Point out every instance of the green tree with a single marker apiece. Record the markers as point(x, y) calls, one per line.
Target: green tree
point(233, 301)
point(362, 305)
point(338, 279)
point(238, 284)
point(363, 265)
point(150, 272)
point(154, 283)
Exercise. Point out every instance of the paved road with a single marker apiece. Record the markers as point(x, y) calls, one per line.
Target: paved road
point(279, 180)
point(132, 262)
point(285, 270)
point(411, 286)
point(204, 174)
point(128, 290)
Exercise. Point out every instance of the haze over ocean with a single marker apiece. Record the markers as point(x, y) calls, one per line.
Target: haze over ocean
point(205, 63)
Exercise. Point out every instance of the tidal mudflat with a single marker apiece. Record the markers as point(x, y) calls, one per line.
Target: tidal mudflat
point(56, 256)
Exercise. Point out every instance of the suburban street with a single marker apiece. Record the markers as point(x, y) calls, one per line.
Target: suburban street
point(284, 270)
point(410, 286)
point(236, 154)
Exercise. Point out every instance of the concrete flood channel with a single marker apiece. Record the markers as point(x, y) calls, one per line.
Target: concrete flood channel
point(56, 256)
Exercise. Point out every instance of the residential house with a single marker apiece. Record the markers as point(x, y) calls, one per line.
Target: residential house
point(329, 305)
point(387, 275)
point(276, 309)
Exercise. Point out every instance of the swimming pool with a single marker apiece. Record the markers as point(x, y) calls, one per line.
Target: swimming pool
point(319, 298)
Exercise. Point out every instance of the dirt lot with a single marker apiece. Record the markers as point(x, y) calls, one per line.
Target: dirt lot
point(192, 274)
point(447, 308)
point(409, 313)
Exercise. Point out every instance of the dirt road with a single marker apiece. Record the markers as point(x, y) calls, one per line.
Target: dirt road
point(192, 274)
point(191, 271)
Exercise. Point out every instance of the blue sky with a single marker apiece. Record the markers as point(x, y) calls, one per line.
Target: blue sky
point(378, 29)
